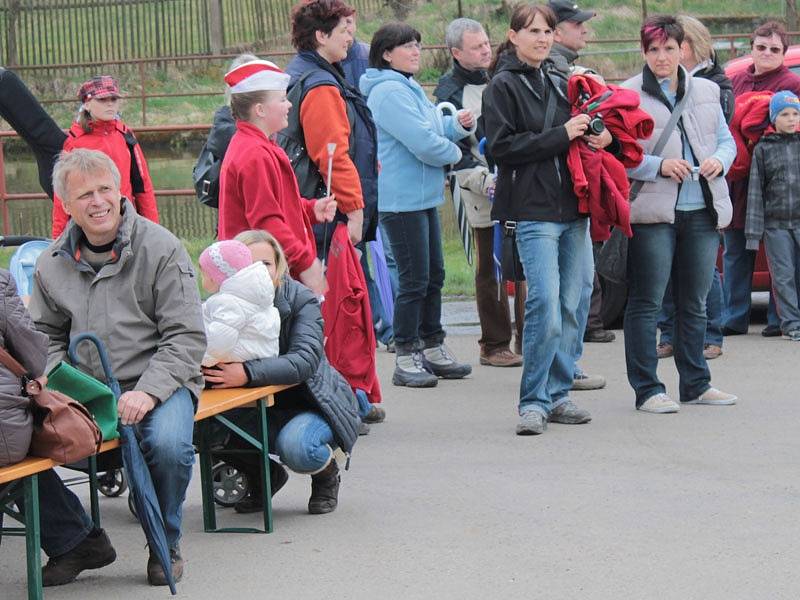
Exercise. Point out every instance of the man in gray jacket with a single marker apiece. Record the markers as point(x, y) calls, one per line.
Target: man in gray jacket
point(131, 283)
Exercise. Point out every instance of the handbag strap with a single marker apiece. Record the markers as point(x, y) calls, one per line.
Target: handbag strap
point(665, 133)
point(11, 363)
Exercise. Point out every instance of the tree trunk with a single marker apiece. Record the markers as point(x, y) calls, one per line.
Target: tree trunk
point(791, 15)
point(644, 9)
point(11, 33)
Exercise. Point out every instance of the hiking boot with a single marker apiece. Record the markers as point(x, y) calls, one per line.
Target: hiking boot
point(659, 404)
point(376, 414)
point(441, 363)
point(531, 422)
point(771, 331)
point(714, 397)
point(324, 490)
point(408, 371)
point(792, 336)
point(94, 552)
point(501, 358)
point(712, 351)
point(664, 350)
point(252, 501)
point(600, 336)
point(583, 382)
point(155, 574)
point(569, 414)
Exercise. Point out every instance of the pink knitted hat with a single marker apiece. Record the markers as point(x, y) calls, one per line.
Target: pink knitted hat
point(223, 259)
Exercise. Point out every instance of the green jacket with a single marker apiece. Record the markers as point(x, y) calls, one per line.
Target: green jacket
point(144, 305)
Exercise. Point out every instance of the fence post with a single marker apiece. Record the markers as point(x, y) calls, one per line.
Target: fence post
point(143, 90)
point(11, 33)
point(6, 224)
point(216, 29)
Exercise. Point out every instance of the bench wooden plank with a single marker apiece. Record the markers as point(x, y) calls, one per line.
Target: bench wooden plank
point(212, 402)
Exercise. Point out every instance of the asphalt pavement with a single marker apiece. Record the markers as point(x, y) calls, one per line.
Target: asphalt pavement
point(443, 500)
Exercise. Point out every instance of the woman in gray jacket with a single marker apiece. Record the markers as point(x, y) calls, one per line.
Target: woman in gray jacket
point(29, 347)
point(308, 420)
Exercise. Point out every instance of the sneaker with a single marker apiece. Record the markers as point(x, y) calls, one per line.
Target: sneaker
point(793, 335)
point(363, 428)
point(390, 346)
point(729, 331)
point(409, 372)
point(659, 404)
point(664, 350)
point(584, 382)
point(441, 363)
point(714, 397)
point(569, 414)
point(324, 490)
point(155, 574)
point(501, 358)
point(771, 331)
point(376, 414)
point(94, 552)
point(252, 502)
point(600, 336)
point(712, 351)
point(531, 422)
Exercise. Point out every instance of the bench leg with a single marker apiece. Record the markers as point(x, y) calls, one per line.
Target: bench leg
point(266, 488)
point(33, 537)
point(206, 483)
point(93, 491)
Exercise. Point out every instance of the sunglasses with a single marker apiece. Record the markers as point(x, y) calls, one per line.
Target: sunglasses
point(772, 49)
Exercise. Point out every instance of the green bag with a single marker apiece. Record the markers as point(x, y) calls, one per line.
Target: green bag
point(96, 396)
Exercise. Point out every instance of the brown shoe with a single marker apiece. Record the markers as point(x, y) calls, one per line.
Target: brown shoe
point(664, 350)
point(155, 574)
point(712, 351)
point(501, 358)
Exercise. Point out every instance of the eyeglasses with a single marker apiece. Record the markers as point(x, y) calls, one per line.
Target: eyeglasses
point(772, 49)
point(411, 46)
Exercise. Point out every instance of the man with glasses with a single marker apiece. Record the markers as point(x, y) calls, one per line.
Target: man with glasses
point(767, 73)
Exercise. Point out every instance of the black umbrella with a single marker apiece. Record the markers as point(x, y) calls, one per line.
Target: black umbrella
point(139, 480)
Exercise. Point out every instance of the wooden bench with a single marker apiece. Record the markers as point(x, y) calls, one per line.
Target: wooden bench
point(23, 482)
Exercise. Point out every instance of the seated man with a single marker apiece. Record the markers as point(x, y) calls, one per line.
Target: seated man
point(131, 283)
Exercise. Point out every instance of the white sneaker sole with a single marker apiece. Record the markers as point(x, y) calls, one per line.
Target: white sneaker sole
point(660, 410)
point(727, 402)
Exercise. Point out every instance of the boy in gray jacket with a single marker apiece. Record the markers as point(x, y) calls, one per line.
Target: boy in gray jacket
point(773, 207)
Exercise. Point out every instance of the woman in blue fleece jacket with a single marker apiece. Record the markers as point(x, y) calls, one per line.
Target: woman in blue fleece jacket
point(415, 143)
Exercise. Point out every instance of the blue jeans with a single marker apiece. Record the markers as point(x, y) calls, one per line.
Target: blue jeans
point(381, 323)
point(416, 241)
point(554, 258)
point(302, 438)
point(583, 310)
point(666, 318)
point(391, 264)
point(737, 283)
point(165, 436)
point(686, 251)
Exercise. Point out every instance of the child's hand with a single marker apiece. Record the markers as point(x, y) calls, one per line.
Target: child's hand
point(325, 209)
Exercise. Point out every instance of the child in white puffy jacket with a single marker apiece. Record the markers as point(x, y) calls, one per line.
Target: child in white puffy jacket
point(241, 320)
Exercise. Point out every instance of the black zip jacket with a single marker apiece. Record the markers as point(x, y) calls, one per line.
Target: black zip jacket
point(533, 182)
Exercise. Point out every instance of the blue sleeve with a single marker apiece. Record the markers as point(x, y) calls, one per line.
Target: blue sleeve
point(726, 146)
point(453, 130)
point(647, 170)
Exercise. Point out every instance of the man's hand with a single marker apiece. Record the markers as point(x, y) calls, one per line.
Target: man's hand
point(355, 225)
point(225, 375)
point(710, 168)
point(676, 169)
point(325, 209)
point(314, 278)
point(133, 406)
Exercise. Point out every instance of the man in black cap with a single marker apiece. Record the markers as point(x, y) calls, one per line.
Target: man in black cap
point(569, 36)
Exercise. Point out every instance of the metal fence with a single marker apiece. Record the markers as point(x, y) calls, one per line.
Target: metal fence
point(39, 32)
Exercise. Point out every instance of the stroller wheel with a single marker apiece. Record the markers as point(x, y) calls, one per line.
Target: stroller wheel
point(230, 484)
point(112, 483)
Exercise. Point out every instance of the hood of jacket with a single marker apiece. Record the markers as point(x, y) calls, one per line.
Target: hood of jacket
point(373, 77)
point(252, 284)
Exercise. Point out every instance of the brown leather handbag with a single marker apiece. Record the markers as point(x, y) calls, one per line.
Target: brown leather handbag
point(63, 430)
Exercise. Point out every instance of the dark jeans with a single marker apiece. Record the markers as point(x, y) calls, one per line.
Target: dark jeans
point(492, 299)
point(666, 318)
point(595, 320)
point(737, 283)
point(416, 241)
point(685, 250)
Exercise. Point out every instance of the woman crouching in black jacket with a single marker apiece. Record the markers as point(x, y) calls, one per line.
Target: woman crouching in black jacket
point(534, 192)
point(308, 420)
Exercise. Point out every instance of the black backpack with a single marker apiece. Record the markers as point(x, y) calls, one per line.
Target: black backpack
point(206, 172)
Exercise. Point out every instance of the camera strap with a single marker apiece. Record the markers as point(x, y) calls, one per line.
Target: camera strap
point(636, 186)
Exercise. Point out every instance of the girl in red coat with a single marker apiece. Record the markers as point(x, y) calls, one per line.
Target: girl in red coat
point(258, 188)
point(99, 127)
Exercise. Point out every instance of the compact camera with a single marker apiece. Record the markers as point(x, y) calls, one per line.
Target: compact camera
point(695, 174)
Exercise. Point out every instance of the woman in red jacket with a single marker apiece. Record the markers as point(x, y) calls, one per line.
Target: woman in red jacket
point(99, 127)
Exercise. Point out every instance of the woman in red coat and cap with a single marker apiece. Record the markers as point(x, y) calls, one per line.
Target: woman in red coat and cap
point(98, 127)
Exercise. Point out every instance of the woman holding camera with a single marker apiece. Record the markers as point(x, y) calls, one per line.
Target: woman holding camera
point(534, 191)
point(682, 203)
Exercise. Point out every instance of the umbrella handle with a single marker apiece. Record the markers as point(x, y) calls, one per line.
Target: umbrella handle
point(451, 108)
point(111, 381)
